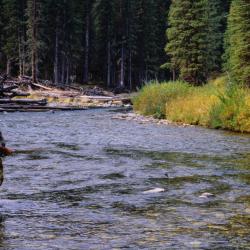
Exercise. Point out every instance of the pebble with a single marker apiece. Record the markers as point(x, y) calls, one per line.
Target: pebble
point(154, 191)
point(206, 195)
point(146, 119)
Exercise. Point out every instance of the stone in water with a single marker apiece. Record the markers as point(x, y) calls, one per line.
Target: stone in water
point(206, 195)
point(154, 191)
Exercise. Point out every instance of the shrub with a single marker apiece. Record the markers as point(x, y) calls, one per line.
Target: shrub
point(216, 105)
point(233, 110)
point(153, 97)
point(193, 108)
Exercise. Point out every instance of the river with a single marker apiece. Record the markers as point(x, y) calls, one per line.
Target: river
point(77, 181)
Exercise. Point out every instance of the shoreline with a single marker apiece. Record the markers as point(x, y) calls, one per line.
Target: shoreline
point(141, 119)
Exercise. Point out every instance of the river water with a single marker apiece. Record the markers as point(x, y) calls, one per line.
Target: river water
point(77, 181)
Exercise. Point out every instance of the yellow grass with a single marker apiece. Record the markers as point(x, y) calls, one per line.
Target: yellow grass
point(217, 104)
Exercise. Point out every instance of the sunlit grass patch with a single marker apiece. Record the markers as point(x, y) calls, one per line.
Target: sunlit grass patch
point(233, 110)
point(218, 104)
point(152, 98)
point(193, 108)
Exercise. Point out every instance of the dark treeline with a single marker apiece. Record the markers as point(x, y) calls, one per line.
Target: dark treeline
point(117, 42)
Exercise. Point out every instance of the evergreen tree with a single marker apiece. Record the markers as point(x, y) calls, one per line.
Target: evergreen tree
point(14, 33)
point(238, 42)
point(194, 39)
point(104, 21)
point(1, 38)
point(214, 19)
point(116, 42)
point(35, 33)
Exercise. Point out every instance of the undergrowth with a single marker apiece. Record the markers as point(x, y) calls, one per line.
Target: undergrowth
point(216, 104)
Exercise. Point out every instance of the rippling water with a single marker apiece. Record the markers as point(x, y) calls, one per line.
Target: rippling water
point(77, 182)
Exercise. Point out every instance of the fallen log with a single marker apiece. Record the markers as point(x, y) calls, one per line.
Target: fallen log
point(42, 102)
point(2, 80)
point(38, 109)
point(10, 88)
point(19, 94)
point(36, 85)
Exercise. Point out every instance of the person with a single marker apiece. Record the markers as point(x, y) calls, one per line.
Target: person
point(3, 152)
point(2, 141)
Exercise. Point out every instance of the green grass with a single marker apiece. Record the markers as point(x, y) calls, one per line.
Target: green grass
point(153, 97)
point(232, 111)
point(215, 105)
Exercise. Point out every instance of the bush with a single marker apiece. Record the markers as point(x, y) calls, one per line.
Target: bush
point(153, 97)
point(232, 111)
point(193, 108)
point(216, 105)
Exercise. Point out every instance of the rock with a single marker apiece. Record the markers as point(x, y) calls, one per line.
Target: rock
point(154, 191)
point(206, 195)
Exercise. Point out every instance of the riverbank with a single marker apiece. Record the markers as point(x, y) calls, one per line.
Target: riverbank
point(21, 94)
point(141, 119)
point(70, 98)
point(76, 98)
point(215, 105)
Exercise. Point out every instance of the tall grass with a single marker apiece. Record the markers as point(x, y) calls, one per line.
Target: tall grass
point(193, 108)
point(153, 97)
point(232, 111)
point(215, 105)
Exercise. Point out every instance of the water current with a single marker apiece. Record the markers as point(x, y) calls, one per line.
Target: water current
point(78, 179)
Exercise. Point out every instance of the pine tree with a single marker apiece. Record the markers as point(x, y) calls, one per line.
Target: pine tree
point(119, 42)
point(104, 21)
point(214, 18)
point(147, 21)
point(193, 39)
point(13, 13)
point(1, 37)
point(238, 42)
point(35, 34)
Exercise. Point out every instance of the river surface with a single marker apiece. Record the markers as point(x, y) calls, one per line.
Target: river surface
point(77, 181)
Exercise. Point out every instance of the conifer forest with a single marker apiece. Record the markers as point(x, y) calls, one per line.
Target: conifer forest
point(124, 124)
point(123, 42)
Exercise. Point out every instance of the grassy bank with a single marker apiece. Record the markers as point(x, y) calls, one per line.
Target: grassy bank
point(215, 105)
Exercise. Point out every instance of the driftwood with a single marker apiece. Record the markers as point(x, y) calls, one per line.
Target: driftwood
point(41, 102)
point(9, 91)
point(31, 108)
point(20, 94)
point(25, 81)
point(36, 85)
point(2, 80)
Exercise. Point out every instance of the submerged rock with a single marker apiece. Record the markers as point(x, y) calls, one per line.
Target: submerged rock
point(206, 195)
point(154, 191)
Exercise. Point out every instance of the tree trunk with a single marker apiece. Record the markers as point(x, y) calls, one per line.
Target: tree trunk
point(174, 77)
point(56, 59)
point(63, 70)
point(109, 65)
point(86, 63)
point(8, 67)
point(130, 70)
point(34, 43)
point(21, 36)
point(20, 56)
point(67, 72)
point(122, 74)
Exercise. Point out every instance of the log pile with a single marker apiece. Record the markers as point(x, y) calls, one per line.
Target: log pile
point(25, 82)
point(10, 88)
